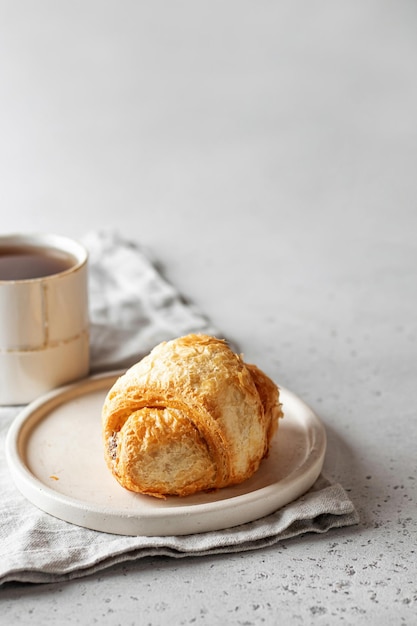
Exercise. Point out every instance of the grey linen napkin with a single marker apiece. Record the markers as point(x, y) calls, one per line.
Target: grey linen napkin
point(133, 308)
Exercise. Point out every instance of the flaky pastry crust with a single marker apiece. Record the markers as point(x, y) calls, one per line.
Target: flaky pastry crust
point(190, 416)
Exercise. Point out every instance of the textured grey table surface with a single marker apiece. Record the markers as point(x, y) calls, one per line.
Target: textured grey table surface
point(266, 155)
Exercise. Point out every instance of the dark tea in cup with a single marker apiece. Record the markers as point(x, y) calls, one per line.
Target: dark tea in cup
point(26, 262)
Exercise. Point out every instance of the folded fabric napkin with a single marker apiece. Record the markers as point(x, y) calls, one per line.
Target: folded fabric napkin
point(132, 309)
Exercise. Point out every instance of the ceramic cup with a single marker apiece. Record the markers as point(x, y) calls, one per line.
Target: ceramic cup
point(44, 322)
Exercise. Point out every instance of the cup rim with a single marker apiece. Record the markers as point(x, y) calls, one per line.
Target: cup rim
point(46, 240)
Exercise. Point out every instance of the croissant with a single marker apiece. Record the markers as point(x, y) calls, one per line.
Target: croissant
point(190, 416)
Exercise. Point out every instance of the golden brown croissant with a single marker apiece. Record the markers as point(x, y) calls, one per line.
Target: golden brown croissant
point(190, 416)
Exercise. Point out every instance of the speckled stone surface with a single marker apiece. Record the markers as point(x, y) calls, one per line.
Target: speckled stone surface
point(266, 154)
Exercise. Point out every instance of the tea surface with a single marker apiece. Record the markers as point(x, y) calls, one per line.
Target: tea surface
point(28, 262)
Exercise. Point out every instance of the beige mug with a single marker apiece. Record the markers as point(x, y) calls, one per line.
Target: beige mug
point(44, 320)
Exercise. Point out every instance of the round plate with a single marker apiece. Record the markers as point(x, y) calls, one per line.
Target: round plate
point(54, 451)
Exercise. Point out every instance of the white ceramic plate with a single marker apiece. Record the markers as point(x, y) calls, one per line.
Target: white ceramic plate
point(54, 452)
